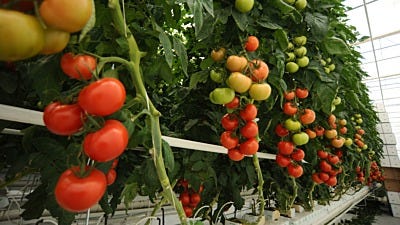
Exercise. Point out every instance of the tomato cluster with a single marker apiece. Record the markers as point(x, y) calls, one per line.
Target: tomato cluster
point(105, 143)
point(328, 168)
point(375, 174)
point(289, 156)
point(189, 197)
point(296, 55)
point(30, 38)
point(241, 131)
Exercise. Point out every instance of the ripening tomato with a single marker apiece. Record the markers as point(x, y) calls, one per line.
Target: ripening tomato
point(66, 15)
point(188, 210)
point(323, 176)
point(311, 134)
point(259, 70)
point(332, 181)
point(249, 147)
point(249, 130)
point(289, 108)
point(316, 179)
point(322, 154)
point(295, 170)
point(63, 119)
point(80, 67)
point(54, 41)
point(107, 143)
point(290, 95)
point(285, 147)
point(302, 93)
point(233, 104)
point(307, 117)
point(111, 176)
point(333, 159)
point(235, 63)
point(251, 44)
point(282, 160)
point(319, 131)
point(218, 55)
point(235, 154)
point(230, 121)
point(21, 37)
point(228, 140)
point(78, 194)
point(249, 112)
point(103, 97)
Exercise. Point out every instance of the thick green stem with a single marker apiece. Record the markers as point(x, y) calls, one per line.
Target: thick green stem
point(259, 187)
point(310, 195)
point(134, 69)
point(294, 193)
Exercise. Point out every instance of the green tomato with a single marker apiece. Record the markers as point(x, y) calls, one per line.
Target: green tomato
point(239, 82)
point(332, 67)
point(290, 46)
point(299, 41)
point(222, 95)
point(292, 67)
point(300, 138)
point(359, 120)
point(290, 57)
point(327, 70)
point(348, 142)
point(323, 62)
point(244, 6)
point(300, 4)
point(365, 147)
point(303, 61)
point(300, 51)
point(290, 1)
point(260, 92)
point(216, 77)
point(292, 125)
point(337, 100)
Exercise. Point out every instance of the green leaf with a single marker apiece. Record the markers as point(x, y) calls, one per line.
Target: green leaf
point(8, 82)
point(105, 206)
point(198, 16)
point(281, 36)
point(240, 19)
point(181, 52)
point(190, 124)
point(166, 44)
point(336, 46)
point(198, 77)
point(283, 6)
point(90, 24)
point(35, 205)
point(168, 156)
point(209, 6)
point(324, 101)
point(198, 166)
point(319, 25)
point(129, 193)
point(166, 73)
point(268, 23)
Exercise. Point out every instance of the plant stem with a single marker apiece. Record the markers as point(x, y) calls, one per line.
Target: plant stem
point(133, 67)
point(310, 195)
point(259, 187)
point(294, 192)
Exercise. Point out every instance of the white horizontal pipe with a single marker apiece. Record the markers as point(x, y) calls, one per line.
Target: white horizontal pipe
point(17, 114)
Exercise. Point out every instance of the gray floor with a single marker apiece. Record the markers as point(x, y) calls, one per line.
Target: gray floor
point(387, 219)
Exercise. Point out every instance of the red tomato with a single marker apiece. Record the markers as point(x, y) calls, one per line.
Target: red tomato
point(111, 176)
point(282, 160)
point(319, 130)
point(332, 181)
point(233, 104)
point(184, 183)
point(290, 95)
point(228, 140)
point(297, 155)
point(249, 130)
point(235, 155)
point(107, 143)
point(251, 44)
point(285, 147)
point(80, 67)
point(316, 179)
point(188, 211)
point(184, 197)
point(249, 147)
point(194, 199)
point(63, 119)
point(333, 159)
point(307, 117)
point(230, 121)
point(78, 194)
point(114, 164)
point(295, 170)
point(325, 166)
point(322, 154)
point(323, 176)
point(289, 108)
point(301, 93)
point(103, 97)
point(281, 131)
point(249, 112)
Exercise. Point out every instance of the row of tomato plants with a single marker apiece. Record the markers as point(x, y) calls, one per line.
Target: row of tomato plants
point(283, 93)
